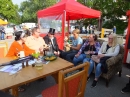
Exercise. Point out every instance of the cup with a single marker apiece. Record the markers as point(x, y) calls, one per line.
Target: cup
point(21, 54)
point(38, 64)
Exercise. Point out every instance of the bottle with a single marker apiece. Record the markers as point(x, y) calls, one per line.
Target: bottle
point(50, 49)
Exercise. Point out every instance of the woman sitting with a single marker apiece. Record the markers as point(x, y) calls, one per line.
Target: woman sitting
point(108, 49)
point(18, 45)
point(90, 47)
point(76, 44)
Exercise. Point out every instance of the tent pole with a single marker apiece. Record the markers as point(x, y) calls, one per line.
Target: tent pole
point(63, 27)
point(68, 26)
point(127, 38)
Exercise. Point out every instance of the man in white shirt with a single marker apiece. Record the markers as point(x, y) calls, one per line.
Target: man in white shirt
point(36, 42)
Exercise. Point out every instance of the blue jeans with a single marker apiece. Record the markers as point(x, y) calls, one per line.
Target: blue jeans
point(97, 68)
point(2, 36)
point(78, 59)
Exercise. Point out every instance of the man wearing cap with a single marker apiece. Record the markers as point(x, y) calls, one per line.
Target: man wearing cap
point(36, 42)
point(50, 39)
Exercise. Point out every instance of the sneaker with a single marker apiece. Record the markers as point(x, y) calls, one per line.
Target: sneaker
point(94, 84)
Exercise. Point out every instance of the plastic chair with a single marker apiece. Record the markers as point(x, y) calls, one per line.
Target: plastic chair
point(70, 86)
point(3, 49)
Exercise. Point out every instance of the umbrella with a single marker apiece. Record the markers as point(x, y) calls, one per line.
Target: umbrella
point(3, 22)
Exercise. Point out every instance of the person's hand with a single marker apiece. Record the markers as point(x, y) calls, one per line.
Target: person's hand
point(56, 53)
point(41, 49)
point(77, 55)
point(68, 45)
point(101, 55)
point(88, 52)
point(46, 49)
point(66, 38)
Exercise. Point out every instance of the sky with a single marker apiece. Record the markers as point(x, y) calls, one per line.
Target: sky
point(17, 1)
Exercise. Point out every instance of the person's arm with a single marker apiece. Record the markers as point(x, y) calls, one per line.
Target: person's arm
point(115, 53)
point(27, 50)
point(78, 45)
point(83, 47)
point(100, 50)
point(44, 45)
point(57, 47)
point(12, 51)
point(97, 46)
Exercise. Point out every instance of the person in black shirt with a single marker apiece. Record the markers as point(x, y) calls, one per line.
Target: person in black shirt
point(50, 39)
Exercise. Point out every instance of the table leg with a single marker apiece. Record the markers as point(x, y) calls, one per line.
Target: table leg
point(15, 91)
point(55, 76)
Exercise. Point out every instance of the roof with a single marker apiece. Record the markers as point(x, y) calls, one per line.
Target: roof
point(74, 10)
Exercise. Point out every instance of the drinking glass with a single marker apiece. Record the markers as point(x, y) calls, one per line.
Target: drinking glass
point(39, 64)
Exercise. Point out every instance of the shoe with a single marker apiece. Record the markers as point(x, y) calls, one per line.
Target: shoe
point(126, 89)
point(94, 84)
point(127, 85)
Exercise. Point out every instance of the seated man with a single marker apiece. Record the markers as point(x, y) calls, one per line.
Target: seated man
point(50, 39)
point(76, 44)
point(36, 42)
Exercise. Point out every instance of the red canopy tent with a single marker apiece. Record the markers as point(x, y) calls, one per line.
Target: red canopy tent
point(74, 10)
point(71, 10)
point(127, 38)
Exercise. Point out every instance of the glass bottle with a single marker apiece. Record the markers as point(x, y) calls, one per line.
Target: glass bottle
point(50, 52)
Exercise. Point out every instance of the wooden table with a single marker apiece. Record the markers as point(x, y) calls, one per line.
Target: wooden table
point(30, 74)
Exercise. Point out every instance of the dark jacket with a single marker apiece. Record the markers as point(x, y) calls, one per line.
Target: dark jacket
point(55, 45)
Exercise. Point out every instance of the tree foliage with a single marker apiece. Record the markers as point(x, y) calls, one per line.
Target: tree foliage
point(9, 11)
point(29, 8)
point(111, 10)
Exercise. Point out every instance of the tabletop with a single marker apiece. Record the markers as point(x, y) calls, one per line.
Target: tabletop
point(29, 74)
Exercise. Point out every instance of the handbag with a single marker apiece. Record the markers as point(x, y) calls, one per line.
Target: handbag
point(95, 58)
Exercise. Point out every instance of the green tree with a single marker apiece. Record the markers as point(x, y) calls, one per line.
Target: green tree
point(9, 11)
point(111, 10)
point(29, 8)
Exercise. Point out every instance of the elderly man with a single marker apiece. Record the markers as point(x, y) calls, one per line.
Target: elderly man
point(36, 42)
